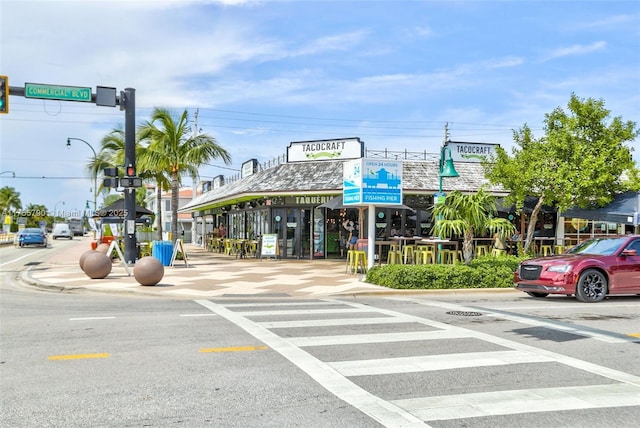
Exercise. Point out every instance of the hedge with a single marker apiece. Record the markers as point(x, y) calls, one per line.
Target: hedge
point(483, 272)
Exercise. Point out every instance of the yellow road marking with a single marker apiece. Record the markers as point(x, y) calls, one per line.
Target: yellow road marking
point(634, 334)
point(78, 356)
point(235, 349)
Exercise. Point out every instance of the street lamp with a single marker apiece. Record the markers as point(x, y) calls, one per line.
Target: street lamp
point(55, 210)
point(95, 173)
point(445, 169)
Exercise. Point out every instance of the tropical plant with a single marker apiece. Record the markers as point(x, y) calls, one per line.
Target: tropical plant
point(9, 200)
point(469, 215)
point(581, 160)
point(176, 150)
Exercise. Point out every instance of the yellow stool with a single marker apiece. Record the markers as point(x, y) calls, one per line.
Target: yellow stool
point(449, 256)
point(558, 249)
point(350, 256)
point(425, 255)
point(228, 247)
point(394, 257)
point(546, 250)
point(497, 253)
point(358, 260)
point(407, 254)
point(482, 250)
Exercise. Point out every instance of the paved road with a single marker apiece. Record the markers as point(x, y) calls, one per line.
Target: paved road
point(440, 359)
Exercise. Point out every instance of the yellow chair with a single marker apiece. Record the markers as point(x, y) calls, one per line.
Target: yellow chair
point(497, 253)
point(558, 249)
point(425, 254)
point(357, 260)
point(394, 257)
point(407, 254)
point(546, 250)
point(449, 256)
point(482, 250)
point(229, 247)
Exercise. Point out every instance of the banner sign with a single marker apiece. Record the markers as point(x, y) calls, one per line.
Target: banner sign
point(471, 152)
point(305, 151)
point(372, 182)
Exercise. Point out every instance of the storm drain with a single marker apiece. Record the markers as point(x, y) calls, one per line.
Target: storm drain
point(464, 313)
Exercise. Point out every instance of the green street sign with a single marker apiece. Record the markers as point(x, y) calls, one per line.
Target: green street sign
point(57, 92)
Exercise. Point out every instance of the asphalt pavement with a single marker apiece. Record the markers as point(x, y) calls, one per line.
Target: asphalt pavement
point(206, 275)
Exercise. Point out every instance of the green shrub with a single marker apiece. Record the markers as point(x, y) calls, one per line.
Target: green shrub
point(483, 272)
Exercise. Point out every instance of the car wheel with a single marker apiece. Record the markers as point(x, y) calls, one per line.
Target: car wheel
point(592, 286)
point(538, 295)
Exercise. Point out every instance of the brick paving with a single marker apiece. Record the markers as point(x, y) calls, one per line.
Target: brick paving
point(207, 275)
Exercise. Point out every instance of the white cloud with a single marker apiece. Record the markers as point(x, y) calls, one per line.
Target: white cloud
point(575, 50)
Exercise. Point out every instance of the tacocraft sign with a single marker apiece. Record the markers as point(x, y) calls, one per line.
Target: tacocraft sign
point(471, 152)
point(345, 148)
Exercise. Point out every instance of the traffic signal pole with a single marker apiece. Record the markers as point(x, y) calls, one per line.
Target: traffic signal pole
point(130, 251)
point(104, 96)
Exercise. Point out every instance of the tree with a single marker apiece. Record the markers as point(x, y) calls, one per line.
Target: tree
point(9, 199)
point(35, 214)
point(176, 150)
point(468, 216)
point(581, 160)
point(112, 152)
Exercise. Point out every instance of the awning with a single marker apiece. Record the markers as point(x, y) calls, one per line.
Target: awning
point(625, 209)
point(337, 204)
point(116, 209)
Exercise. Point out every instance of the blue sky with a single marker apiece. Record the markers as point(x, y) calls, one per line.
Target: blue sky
point(262, 74)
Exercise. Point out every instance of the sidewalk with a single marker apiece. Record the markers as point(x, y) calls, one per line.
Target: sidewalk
point(208, 275)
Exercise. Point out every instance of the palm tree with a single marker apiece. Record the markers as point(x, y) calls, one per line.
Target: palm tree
point(468, 216)
point(176, 150)
point(9, 199)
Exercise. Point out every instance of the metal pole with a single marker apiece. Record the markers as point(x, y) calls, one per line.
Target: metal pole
point(130, 252)
point(95, 173)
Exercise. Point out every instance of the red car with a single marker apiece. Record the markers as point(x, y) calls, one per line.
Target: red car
point(591, 270)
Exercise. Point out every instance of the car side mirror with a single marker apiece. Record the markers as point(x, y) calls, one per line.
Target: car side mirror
point(629, 252)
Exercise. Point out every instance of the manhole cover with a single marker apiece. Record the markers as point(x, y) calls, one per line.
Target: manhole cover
point(464, 313)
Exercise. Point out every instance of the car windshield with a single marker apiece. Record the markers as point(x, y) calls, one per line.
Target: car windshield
point(32, 230)
point(598, 246)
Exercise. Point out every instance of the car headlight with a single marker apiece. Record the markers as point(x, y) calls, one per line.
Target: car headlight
point(559, 268)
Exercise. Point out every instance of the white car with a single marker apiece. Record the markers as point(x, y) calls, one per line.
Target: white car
point(62, 230)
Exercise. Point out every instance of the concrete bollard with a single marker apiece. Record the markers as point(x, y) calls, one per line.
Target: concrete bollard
point(148, 271)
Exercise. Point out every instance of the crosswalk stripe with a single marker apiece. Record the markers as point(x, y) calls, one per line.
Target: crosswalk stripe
point(434, 362)
point(521, 401)
point(302, 312)
point(353, 339)
point(332, 322)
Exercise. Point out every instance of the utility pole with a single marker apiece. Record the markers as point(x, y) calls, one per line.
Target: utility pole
point(194, 191)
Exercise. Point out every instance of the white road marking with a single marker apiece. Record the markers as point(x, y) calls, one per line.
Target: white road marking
point(91, 318)
point(461, 406)
point(331, 322)
point(411, 412)
point(380, 410)
point(22, 257)
point(198, 315)
point(425, 363)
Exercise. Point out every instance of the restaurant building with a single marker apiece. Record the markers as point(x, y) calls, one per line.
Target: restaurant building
point(299, 198)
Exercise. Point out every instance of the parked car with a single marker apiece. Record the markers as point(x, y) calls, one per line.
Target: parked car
point(591, 270)
point(62, 230)
point(32, 236)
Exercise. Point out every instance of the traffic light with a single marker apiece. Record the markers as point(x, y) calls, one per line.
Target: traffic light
point(4, 94)
point(111, 177)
